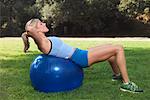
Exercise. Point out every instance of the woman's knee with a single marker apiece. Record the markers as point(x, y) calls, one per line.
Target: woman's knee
point(111, 59)
point(119, 48)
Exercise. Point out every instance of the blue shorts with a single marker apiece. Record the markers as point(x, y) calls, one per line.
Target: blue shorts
point(80, 57)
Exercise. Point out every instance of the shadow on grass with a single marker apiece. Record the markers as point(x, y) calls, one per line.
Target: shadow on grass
point(134, 56)
point(15, 61)
point(14, 73)
point(22, 60)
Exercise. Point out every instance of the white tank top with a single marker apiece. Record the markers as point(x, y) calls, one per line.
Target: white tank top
point(60, 49)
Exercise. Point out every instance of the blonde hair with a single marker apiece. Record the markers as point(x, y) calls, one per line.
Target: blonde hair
point(32, 23)
point(25, 35)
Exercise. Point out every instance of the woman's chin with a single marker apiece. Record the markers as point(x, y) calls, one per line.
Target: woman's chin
point(47, 30)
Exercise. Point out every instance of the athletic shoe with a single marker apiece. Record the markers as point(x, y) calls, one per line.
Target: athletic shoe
point(131, 87)
point(116, 78)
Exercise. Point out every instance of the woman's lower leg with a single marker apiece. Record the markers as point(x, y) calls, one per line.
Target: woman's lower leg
point(114, 66)
point(121, 62)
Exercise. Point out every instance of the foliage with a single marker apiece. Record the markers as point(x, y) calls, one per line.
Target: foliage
point(133, 7)
point(14, 13)
point(90, 15)
point(78, 17)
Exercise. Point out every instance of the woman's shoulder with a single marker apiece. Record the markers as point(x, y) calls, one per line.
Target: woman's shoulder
point(53, 38)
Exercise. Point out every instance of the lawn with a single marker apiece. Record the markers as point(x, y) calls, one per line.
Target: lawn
point(15, 83)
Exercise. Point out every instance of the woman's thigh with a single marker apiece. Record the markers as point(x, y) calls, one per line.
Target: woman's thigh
point(101, 53)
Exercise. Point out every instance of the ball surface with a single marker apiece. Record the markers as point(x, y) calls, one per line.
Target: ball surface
point(53, 74)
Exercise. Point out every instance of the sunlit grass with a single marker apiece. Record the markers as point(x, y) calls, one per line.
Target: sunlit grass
point(97, 85)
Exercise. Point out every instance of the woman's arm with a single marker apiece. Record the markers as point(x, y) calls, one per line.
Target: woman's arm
point(44, 45)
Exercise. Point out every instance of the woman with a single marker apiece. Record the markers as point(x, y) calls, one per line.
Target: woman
point(114, 54)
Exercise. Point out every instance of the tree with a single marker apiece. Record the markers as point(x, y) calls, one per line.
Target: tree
point(14, 13)
point(86, 16)
point(132, 8)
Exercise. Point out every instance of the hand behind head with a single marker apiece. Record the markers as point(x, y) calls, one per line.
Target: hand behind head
point(32, 31)
point(35, 26)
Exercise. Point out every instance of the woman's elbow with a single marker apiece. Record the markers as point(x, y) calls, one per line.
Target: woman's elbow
point(45, 47)
point(44, 50)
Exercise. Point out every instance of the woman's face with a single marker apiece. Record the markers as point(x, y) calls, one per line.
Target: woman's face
point(41, 26)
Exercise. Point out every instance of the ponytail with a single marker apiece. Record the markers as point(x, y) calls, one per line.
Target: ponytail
point(25, 36)
point(25, 39)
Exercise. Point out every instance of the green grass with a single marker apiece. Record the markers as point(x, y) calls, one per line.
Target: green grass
point(15, 83)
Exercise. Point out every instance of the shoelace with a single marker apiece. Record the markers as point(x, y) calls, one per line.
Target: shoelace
point(133, 86)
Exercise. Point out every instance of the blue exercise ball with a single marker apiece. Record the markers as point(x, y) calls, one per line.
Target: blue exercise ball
point(53, 74)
